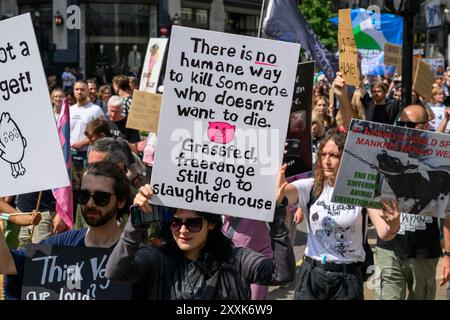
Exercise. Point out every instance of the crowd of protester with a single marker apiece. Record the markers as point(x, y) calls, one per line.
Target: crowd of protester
point(199, 255)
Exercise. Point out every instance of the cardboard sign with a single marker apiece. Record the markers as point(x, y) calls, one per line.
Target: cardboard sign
point(154, 58)
point(423, 79)
point(393, 56)
point(348, 59)
point(69, 273)
point(31, 157)
point(437, 65)
point(223, 122)
point(389, 162)
point(298, 138)
point(144, 111)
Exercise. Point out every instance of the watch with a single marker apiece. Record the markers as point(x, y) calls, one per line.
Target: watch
point(447, 253)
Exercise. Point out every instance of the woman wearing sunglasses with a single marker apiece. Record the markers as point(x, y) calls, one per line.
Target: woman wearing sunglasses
point(200, 261)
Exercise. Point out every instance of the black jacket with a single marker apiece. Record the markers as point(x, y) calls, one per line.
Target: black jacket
point(386, 113)
point(166, 274)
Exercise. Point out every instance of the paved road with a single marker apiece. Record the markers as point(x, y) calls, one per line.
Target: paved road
point(287, 292)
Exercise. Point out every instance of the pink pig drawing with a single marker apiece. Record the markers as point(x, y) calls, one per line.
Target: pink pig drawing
point(221, 132)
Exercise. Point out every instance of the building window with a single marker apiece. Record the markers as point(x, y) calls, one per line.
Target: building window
point(112, 30)
point(242, 24)
point(41, 15)
point(117, 20)
point(195, 18)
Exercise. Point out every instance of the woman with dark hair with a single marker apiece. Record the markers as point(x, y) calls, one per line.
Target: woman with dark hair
point(332, 265)
point(200, 262)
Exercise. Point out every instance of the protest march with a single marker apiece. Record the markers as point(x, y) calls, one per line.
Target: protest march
point(208, 162)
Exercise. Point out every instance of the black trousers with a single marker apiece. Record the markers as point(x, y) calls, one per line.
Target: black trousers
point(316, 283)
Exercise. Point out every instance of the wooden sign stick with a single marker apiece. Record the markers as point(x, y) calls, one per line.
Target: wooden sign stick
point(38, 205)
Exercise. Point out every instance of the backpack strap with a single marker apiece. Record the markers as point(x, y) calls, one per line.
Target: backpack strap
point(364, 224)
point(312, 199)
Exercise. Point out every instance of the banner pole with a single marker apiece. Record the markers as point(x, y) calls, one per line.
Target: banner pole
point(261, 18)
point(38, 205)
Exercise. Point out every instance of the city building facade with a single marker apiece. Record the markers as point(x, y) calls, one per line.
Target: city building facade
point(96, 37)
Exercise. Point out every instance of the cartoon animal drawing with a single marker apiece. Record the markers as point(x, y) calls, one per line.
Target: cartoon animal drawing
point(221, 132)
point(408, 182)
point(12, 144)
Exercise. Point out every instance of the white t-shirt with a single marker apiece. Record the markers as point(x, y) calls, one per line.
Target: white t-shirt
point(80, 117)
point(68, 78)
point(438, 117)
point(334, 230)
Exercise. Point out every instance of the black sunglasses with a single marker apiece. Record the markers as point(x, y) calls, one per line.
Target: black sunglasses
point(409, 124)
point(101, 198)
point(193, 224)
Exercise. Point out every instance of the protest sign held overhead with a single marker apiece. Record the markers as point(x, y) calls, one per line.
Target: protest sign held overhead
point(389, 162)
point(223, 122)
point(348, 59)
point(393, 56)
point(70, 273)
point(298, 138)
point(153, 62)
point(28, 133)
point(423, 78)
point(144, 111)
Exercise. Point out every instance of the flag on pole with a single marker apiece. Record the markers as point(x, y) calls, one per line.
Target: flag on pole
point(372, 30)
point(285, 22)
point(64, 195)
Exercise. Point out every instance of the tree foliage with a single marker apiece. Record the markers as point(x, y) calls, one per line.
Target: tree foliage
point(317, 13)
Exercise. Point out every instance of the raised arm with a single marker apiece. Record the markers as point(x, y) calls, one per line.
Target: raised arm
point(444, 122)
point(286, 189)
point(386, 221)
point(345, 106)
point(129, 262)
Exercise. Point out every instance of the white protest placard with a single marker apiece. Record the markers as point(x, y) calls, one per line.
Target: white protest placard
point(223, 121)
point(382, 161)
point(31, 157)
point(152, 64)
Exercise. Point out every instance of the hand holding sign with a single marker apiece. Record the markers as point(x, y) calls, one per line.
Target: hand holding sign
point(282, 183)
point(391, 214)
point(340, 86)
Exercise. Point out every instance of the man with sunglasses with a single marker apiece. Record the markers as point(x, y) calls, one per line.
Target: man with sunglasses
point(103, 199)
point(410, 259)
point(107, 149)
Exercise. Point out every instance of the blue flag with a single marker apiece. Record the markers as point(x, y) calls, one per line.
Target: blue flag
point(285, 22)
point(373, 30)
